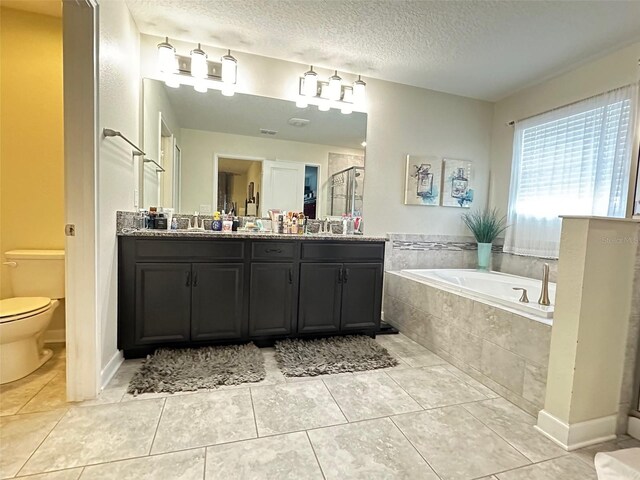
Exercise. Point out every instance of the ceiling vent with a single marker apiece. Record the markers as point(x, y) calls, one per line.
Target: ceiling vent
point(298, 122)
point(266, 131)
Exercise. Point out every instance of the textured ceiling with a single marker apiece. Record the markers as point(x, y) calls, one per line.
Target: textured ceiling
point(480, 49)
point(247, 114)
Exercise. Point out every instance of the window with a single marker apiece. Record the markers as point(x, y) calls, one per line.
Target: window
point(575, 160)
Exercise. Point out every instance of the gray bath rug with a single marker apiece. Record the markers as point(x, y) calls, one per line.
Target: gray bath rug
point(188, 369)
point(308, 358)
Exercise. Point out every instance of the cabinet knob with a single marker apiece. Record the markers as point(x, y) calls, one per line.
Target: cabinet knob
point(195, 279)
point(346, 275)
point(188, 282)
point(340, 276)
point(273, 250)
point(290, 276)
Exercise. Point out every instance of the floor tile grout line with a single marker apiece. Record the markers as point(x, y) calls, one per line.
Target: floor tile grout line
point(532, 464)
point(34, 396)
point(335, 401)
point(475, 388)
point(155, 433)
point(253, 410)
point(204, 468)
point(43, 440)
point(501, 436)
point(315, 454)
point(404, 390)
point(415, 448)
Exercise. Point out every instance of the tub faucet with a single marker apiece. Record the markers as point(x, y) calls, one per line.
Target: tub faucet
point(544, 293)
point(524, 298)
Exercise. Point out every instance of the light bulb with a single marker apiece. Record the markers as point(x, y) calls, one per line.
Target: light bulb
point(323, 104)
point(302, 102)
point(171, 80)
point(346, 109)
point(166, 57)
point(335, 87)
point(229, 68)
point(359, 91)
point(310, 86)
point(198, 63)
point(228, 89)
point(200, 86)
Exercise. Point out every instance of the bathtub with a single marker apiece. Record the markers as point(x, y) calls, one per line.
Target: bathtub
point(491, 288)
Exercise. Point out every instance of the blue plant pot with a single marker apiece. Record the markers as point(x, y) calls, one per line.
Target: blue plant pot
point(484, 256)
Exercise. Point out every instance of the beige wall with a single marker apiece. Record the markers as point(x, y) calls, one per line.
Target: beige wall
point(199, 148)
point(401, 120)
point(614, 70)
point(31, 129)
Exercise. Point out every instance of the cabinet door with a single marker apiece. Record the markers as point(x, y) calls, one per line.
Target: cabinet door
point(361, 296)
point(320, 292)
point(217, 301)
point(163, 302)
point(271, 299)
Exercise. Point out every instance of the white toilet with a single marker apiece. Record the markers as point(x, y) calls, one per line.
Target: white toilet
point(37, 279)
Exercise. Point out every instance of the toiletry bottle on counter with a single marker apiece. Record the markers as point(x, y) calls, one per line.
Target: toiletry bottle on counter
point(174, 223)
point(160, 222)
point(216, 224)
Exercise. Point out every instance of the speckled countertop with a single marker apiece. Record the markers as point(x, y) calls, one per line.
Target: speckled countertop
point(130, 232)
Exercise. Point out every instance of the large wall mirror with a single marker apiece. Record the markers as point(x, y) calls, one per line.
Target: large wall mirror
point(248, 154)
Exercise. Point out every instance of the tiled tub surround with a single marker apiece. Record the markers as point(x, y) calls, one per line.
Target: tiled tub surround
point(505, 351)
point(411, 250)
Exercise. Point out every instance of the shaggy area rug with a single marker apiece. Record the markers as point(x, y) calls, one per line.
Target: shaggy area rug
point(308, 358)
point(188, 369)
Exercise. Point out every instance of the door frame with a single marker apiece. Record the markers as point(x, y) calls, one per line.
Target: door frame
point(216, 158)
point(80, 64)
point(320, 196)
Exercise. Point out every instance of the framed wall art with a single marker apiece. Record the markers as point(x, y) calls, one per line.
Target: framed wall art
point(422, 180)
point(457, 183)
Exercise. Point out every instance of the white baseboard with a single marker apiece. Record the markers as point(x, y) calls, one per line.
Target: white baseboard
point(633, 428)
point(111, 368)
point(54, 336)
point(577, 435)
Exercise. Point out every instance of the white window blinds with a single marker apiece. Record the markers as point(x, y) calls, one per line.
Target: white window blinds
point(575, 160)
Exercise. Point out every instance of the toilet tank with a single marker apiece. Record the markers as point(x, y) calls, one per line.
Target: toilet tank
point(36, 273)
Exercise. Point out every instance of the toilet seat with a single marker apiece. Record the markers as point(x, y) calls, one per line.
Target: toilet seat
point(17, 308)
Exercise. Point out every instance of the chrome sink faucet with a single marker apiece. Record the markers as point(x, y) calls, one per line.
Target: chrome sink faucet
point(544, 293)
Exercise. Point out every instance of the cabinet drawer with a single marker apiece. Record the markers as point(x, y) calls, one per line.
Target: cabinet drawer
point(273, 250)
point(209, 250)
point(343, 251)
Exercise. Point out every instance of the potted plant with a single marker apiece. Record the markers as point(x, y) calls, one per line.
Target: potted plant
point(486, 226)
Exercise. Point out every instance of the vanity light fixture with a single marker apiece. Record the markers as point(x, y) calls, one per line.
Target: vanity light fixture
point(197, 70)
point(335, 87)
point(330, 94)
point(199, 67)
point(359, 91)
point(310, 83)
point(166, 57)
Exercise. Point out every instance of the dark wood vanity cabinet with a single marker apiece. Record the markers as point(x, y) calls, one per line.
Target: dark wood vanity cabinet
point(192, 291)
point(337, 297)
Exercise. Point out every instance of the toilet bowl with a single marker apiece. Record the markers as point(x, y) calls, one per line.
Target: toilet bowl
point(23, 320)
point(37, 281)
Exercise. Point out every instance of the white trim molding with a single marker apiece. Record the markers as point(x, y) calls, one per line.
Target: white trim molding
point(57, 335)
point(633, 428)
point(577, 435)
point(110, 369)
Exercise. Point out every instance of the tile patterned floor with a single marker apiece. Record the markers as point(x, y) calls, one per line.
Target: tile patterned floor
point(423, 419)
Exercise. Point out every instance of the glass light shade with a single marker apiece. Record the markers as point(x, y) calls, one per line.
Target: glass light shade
point(310, 85)
point(166, 57)
point(302, 102)
point(335, 86)
point(348, 95)
point(200, 86)
point(229, 68)
point(199, 67)
point(323, 106)
point(346, 109)
point(359, 88)
point(228, 89)
point(171, 80)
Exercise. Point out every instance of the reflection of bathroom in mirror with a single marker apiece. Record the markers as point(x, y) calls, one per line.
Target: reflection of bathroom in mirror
point(245, 153)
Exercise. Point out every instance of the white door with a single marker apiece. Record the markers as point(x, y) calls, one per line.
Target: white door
point(282, 186)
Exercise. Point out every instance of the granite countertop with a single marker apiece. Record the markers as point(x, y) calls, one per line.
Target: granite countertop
point(130, 232)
